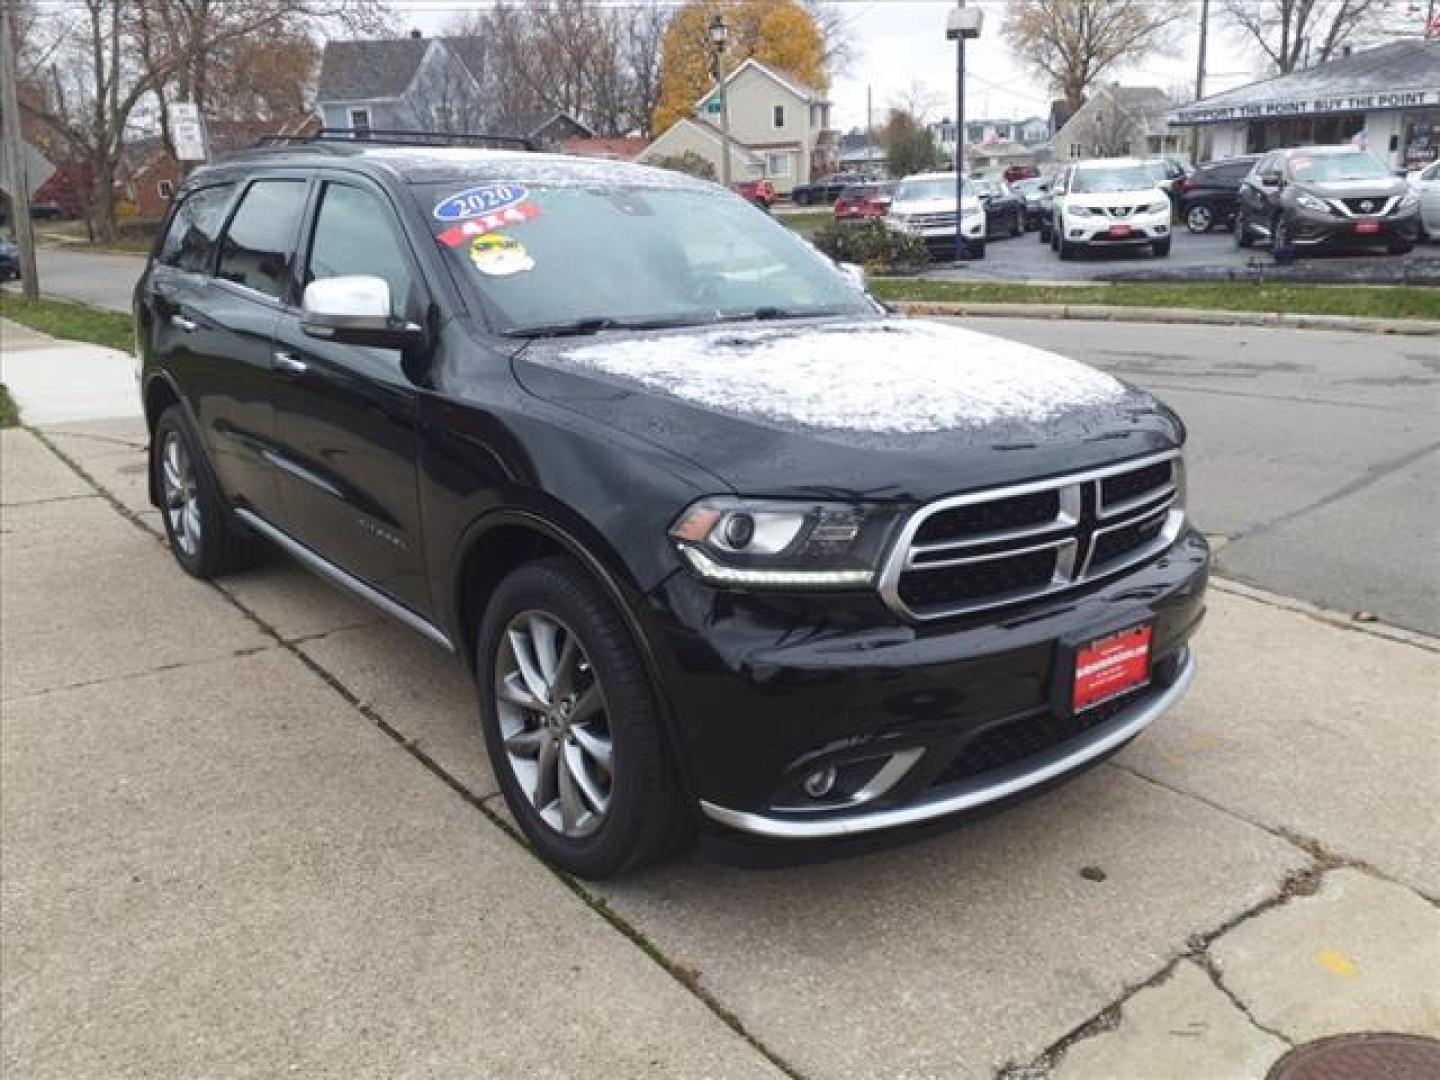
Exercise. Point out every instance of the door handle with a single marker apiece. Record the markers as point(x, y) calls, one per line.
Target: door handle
point(289, 363)
point(182, 323)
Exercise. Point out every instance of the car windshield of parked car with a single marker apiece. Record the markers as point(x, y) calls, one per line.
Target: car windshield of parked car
point(1103, 178)
point(934, 187)
point(1322, 168)
point(1033, 186)
point(610, 256)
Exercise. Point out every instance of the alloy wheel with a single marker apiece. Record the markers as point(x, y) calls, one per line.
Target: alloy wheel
point(554, 723)
point(1199, 219)
point(182, 501)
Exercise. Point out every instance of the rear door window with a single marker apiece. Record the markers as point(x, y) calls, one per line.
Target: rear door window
point(259, 245)
point(195, 228)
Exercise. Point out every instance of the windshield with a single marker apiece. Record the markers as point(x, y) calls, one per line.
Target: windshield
point(547, 257)
point(1323, 167)
point(934, 187)
point(1112, 178)
point(1032, 186)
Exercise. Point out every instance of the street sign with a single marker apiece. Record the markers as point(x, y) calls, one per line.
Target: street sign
point(37, 170)
point(188, 132)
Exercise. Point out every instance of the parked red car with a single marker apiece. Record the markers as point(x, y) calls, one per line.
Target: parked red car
point(1020, 172)
point(760, 192)
point(860, 201)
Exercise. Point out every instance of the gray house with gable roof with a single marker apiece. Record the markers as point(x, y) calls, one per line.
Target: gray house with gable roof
point(420, 84)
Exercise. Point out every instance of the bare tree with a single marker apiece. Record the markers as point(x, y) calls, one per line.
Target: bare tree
point(918, 101)
point(1073, 42)
point(642, 32)
point(1293, 34)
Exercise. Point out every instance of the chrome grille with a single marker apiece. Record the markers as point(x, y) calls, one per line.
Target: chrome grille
point(991, 549)
point(932, 221)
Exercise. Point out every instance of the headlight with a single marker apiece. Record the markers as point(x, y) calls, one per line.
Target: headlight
point(1081, 211)
point(1310, 202)
point(1158, 208)
point(795, 545)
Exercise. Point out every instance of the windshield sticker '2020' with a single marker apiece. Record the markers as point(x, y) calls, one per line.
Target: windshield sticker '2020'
point(473, 202)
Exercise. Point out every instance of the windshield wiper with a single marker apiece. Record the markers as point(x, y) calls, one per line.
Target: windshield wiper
point(770, 313)
point(595, 323)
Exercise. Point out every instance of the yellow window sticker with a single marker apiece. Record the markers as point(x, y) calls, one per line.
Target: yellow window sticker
point(498, 255)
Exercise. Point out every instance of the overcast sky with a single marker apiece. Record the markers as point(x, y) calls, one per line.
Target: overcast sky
point(902, 42)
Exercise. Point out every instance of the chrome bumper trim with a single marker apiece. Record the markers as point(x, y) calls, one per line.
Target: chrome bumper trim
point(989, 788)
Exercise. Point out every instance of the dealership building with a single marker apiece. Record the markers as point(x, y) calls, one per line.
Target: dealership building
point(1385, 99)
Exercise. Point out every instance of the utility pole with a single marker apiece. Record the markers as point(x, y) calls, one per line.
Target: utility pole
point(15, 158)
point(719, 35)
point(1200, 77)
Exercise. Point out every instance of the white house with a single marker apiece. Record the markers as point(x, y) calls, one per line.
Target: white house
point(779, 129)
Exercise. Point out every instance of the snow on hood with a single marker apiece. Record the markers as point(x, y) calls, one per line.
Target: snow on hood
point(882, 376)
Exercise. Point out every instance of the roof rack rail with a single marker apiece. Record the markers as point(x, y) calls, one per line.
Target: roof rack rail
point(383, 137)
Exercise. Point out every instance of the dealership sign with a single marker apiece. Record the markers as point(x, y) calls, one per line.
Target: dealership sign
point(1322, 104)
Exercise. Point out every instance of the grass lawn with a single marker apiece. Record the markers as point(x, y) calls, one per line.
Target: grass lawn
point(806, 222)
point(1386, 301)
point(9, 414)
point(68, 319)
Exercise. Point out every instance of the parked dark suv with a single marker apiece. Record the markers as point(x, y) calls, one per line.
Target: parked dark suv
point(1208, 196)
point(1318, 196)
point(725, 545)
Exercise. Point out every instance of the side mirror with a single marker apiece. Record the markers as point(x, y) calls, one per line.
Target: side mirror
point(355, 310)
point(856, 274)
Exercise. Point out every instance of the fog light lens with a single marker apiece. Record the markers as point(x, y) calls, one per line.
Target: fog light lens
point(820, 782)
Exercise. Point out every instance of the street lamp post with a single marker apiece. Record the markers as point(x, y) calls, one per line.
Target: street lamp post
point(719, 35)
point(962, 24)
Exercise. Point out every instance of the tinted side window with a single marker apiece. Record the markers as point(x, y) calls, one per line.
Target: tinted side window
point(190, 242)
point(260, 242)
point(354, 234)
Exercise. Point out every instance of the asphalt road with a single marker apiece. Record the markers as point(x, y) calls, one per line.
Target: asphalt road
point(1024, 258)
point(1315, 456)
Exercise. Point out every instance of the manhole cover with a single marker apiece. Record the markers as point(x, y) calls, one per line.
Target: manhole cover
point(1362, 1057)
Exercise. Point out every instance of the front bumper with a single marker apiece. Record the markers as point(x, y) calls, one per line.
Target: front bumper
point(1099, 231)
point(930, 721)
point(1309, 228)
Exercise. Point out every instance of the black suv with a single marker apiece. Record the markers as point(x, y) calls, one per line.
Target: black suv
point(725, 545)
point(1317, 196)
point(1208, 196)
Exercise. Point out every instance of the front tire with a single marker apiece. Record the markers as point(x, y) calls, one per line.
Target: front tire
point(572, 725)
point(1017, 224)
point(1243, 239)
point(1161, 248)
point(1068, 250)
point(203, 534)
point(975, 250)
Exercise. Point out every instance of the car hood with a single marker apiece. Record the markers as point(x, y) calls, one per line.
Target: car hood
point(1116, 198)
point(933, 206)
point(1378, 187)
point(882, 409)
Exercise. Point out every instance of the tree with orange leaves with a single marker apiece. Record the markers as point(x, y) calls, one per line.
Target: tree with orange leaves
point(780, 33)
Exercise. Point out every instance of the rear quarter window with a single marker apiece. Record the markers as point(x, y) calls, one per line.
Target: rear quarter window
point(195, 229)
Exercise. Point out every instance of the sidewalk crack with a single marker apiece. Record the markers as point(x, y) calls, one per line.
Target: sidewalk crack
point(1207, 964)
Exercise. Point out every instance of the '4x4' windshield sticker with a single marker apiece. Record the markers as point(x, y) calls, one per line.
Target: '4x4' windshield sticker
point(486, 223)
point(473, 202)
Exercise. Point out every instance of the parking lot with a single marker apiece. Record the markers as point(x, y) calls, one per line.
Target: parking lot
point(1193, 257)
point(251, 829)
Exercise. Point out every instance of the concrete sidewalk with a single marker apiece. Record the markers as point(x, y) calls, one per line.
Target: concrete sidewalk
point(56, 381)
point(250, 830)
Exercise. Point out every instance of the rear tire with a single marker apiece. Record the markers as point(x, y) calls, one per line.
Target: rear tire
point(1243, 238)
point(1199, 219)
point(626, 804)
point(203, 534)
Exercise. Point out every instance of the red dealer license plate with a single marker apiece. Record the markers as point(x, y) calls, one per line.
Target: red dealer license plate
point(1368, 225)
point(1110, 666)
point(1119, 230)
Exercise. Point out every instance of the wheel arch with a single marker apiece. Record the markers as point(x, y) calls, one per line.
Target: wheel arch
point(503, 540)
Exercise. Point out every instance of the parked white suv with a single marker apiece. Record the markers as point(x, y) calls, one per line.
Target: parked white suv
point(1109, 202)
point(924, 206)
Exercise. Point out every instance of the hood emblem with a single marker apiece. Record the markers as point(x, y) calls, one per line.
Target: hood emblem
point(1367, 205)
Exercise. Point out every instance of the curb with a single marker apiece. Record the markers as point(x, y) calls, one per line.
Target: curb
point(1117, 313)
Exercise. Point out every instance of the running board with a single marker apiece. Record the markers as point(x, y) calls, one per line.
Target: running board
point(346, 580)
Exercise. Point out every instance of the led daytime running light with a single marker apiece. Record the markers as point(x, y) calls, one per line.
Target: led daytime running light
point(709, 569)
